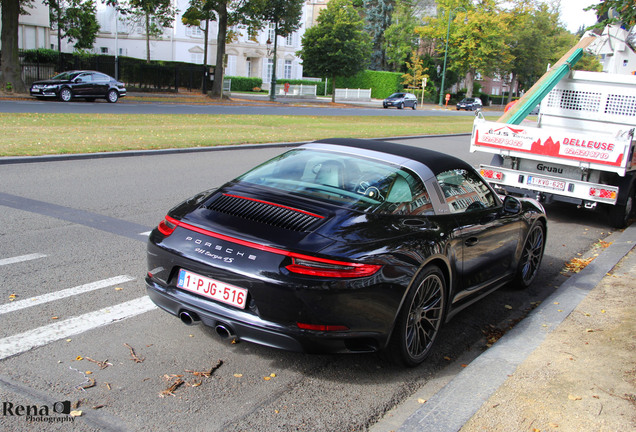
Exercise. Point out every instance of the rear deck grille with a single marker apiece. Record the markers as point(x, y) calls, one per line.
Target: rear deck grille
point(263, 212)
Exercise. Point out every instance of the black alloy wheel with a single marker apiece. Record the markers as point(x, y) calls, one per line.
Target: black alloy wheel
point(414, 106)
point(401, 105)
point(420, 318)
point(531, 256)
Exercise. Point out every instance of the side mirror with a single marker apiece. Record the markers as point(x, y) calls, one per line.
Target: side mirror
point(511, 205)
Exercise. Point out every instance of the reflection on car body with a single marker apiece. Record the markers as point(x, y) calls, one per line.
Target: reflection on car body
point(89, 85)
point(343, 246)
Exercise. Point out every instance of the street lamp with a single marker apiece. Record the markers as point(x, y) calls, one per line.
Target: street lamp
point(450, 16)
point(272, 92)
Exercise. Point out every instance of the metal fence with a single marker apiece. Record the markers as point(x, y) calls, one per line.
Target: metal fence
point(296, 90)
point(135, 73)
point(353, 94)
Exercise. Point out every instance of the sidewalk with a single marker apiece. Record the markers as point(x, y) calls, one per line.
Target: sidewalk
point(569, 366)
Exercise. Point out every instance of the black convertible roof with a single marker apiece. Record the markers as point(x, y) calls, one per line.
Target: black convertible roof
point(437, 162)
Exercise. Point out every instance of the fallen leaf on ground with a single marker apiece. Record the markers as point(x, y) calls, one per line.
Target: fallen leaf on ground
point(76, 413)
point(134, 356)
point(574, 398)
point(575, 265)
point(170, 390)
point(238, 375)
point(421, 401)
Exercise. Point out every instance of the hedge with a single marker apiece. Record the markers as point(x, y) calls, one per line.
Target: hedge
point(382, 84)
point(244, 83)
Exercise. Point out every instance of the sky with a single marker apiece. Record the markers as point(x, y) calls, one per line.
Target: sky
point(573, 16)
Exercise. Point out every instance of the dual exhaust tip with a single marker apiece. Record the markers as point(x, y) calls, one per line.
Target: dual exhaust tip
point(221, 329)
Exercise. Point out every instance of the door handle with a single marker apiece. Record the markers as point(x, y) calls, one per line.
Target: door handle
point(471, 241)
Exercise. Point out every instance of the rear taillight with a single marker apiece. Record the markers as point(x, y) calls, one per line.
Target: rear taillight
point(603, 193)
point(167, 226)
point(329, 268)
point(491, 174)
point(322, 327)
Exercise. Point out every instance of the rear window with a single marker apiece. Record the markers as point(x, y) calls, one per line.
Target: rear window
point(346, 180)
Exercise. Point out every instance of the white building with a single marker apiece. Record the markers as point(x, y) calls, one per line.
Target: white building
point(247, 57)
point(34, 29)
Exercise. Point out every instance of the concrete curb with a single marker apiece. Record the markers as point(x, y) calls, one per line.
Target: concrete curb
point(451, 407)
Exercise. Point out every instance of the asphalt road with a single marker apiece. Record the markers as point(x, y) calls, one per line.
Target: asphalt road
point(130, 107)
point(75, 230)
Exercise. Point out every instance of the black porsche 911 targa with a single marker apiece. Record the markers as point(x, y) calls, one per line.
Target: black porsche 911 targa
point(343, 246)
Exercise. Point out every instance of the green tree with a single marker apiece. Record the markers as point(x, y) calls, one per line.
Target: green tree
point(153, 15)
point(10, 74)
point(476, 37)
point(400, 37)
point(614, 12)
point(337, 45)
point(377, 20)
point(416, 72)
point(199, 14)
point(75, 20)
point(285, 16)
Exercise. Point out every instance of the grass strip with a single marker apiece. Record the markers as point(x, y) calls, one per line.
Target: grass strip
point(44, 134)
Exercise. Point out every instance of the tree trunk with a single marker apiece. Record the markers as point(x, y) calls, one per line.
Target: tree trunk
point(470, 79)
point(333, 89)
point(147, 37)
point(10, 76)
point(206, 77)
point(513, 77)
point(217, 84)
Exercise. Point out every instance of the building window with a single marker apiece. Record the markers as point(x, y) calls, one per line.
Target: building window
point(289, 40)
point(268, 71)
point(196, 58)
point(288, 69)
point(194, 32)
point(230, 68)
point(270, 33)
point(103, 50)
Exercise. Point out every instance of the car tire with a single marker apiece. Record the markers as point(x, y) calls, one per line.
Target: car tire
point(619, 214)
point(112, 96)
point(400, 106)
point(420, 318)
point(414, 106)
point(66, 94)
point(531, 257)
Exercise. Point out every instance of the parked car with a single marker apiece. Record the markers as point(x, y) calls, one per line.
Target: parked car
point(400, 100)
point(343, 245)
point(88, 85)
point(469, 104)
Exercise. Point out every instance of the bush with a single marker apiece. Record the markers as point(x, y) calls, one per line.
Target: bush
point(382, 84)
point(244, 84)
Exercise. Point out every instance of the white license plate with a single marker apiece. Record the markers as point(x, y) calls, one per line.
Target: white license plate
point(546, 183)
point(212, 289)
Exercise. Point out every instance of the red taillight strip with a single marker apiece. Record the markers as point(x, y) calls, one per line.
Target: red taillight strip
point(357, 269)
point(275, 205)
point(322, 327)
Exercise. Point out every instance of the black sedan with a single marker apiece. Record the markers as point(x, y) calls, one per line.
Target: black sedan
point(343, 246)
point(400, 100)
point(88, 85)
point(469, 104)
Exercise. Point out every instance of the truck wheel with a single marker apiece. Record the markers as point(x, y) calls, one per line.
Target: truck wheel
point(619, 214)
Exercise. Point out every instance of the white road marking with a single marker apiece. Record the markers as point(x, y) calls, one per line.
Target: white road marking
point(57, 295)
point(21, 258)
point(41, 336)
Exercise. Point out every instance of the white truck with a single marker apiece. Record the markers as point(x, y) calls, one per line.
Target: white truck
point(580, 151)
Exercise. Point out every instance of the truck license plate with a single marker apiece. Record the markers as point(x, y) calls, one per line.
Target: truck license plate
point(546, 183)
